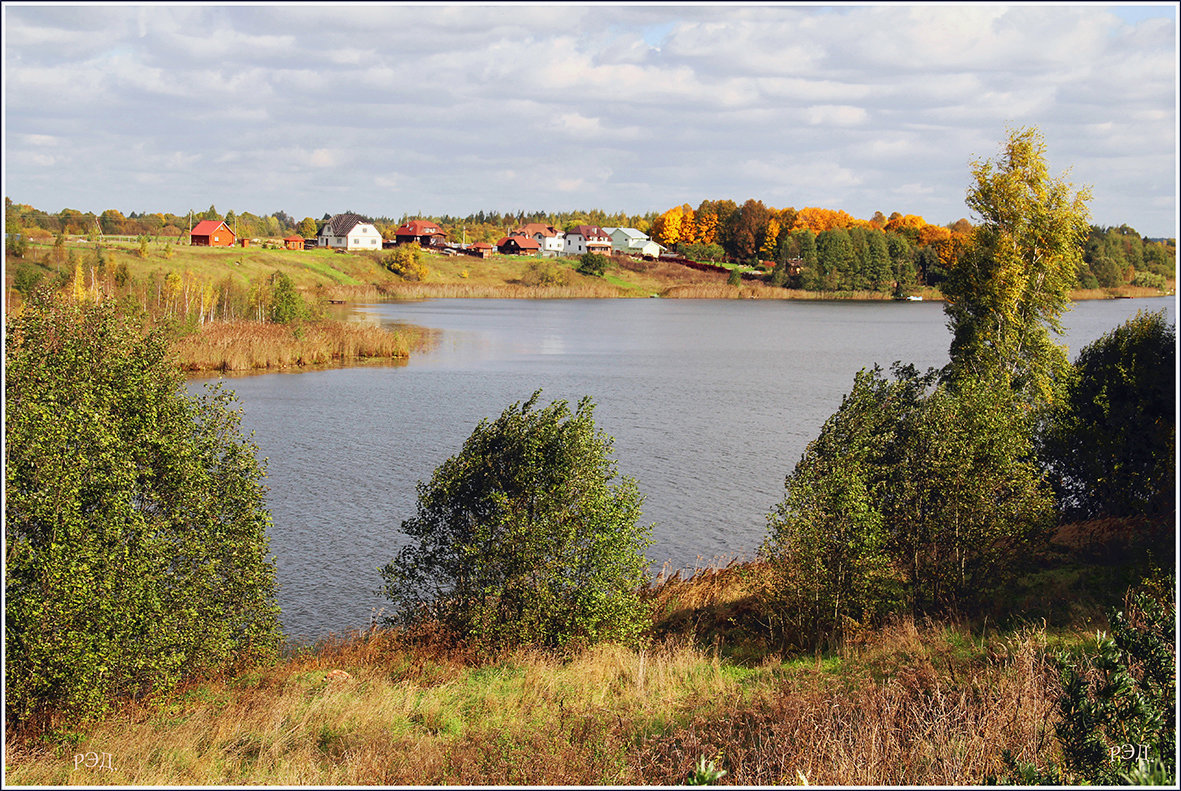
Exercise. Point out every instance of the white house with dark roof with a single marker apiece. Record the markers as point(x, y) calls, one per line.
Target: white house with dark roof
point(350, 232)
point(551, 241)
point(629, 241)
point(587, 239)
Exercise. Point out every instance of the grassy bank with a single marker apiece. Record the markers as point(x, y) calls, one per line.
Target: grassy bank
point(910, 703)
point(358, 277)
point(915, 704)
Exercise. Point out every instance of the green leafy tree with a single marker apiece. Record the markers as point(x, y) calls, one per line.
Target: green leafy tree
point(859, 534)
point(966, 501)
point(135, 518)
point(1007, 292)
point(307, 228)
point(522, 538)
point(1111, 446)
point(835, 259)
point(286, 305)
point(827, 541)
point(16, 243)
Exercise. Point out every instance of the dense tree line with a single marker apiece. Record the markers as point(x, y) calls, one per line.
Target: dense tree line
point(830, 250)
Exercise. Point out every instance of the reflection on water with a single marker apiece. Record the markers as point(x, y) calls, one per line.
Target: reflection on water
point(710, 403)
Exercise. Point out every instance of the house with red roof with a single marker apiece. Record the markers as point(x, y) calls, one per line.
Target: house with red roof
point(550, 239)
point(426, 233)
point(211, 233)
point(518, 245)
point(481, 250)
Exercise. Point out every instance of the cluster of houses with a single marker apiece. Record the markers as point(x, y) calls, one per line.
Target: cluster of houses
point(353, 232)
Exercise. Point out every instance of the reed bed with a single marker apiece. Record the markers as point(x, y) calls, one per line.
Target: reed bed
point(764, 291)
point(585, 290)
point(1121, 292)
point(249, 346)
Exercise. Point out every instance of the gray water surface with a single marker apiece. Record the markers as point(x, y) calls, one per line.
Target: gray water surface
point(711, 403)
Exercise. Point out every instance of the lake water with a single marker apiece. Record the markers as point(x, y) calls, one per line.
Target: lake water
point(711, 403)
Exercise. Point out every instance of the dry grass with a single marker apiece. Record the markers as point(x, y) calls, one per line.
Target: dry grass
point(932, 720)
point(902, 707)
point(907, 704)
point(1122, 292)
point(249, 346)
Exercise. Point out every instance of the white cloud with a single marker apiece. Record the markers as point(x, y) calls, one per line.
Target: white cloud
point(835, 115)
point(869, 107)
point(324, 158)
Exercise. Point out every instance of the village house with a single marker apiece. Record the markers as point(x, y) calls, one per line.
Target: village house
point(587, 239)
point(424, 232)
point(551, 241)
point(211, 233)
point(349, 232)
point(629, 241)
point(293, 243)
point(518, 245)
point(481, 250)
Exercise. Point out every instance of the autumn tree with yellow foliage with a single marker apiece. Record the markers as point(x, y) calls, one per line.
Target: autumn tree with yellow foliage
point(1006, 293)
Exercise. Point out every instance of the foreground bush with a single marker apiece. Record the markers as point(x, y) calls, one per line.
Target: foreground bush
point(521, 538)
point(910, 498)
point(1112, 444)
point(135, 519)
point(1118, 706)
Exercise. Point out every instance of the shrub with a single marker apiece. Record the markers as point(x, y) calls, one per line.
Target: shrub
point(544, 273)
point(405, 261)
point(1118, 705)
point(593, 264)
point(1147, 279)
point(1111, 446)
point(135, 518)
point(907, 498)
point(521, 538)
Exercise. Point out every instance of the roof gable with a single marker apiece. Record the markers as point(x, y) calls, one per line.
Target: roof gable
point(532, 228)
point(341, 224)
point(586, 231)
point(418, 228)
point(206, 227)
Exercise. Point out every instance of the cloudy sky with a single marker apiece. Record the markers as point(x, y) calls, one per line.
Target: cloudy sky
point(391, 109)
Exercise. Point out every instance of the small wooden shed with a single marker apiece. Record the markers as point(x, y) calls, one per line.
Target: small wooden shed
point(293, 243)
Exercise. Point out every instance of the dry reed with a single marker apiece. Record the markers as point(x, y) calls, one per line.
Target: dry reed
point(247, 346)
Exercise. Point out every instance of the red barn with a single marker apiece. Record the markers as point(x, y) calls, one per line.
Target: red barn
point(211, 233)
